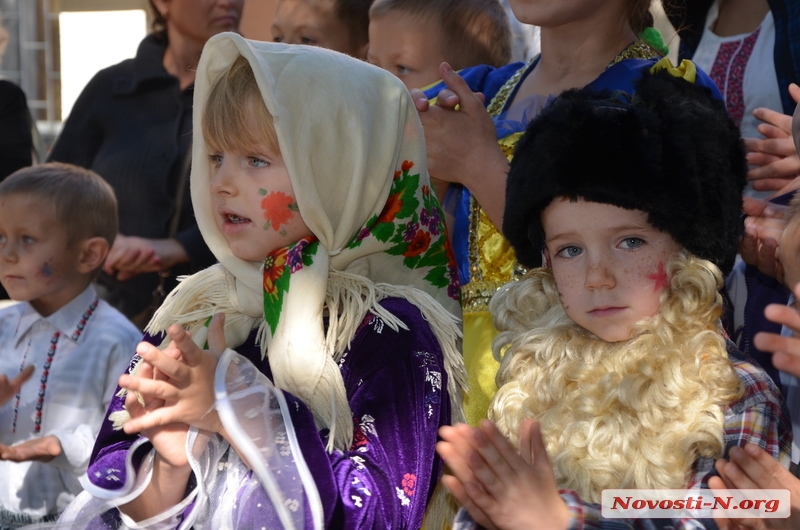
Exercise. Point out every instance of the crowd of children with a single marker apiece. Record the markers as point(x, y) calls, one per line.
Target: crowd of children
point(360, 356)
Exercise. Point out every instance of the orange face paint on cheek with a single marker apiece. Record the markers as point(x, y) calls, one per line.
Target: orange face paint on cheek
point(279, 209)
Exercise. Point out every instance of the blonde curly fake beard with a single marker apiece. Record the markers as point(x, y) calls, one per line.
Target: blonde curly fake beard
point(631, 414)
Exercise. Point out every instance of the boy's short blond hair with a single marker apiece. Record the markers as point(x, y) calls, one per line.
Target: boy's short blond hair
point(81, 200)
point(472, 32)
point(234, 101)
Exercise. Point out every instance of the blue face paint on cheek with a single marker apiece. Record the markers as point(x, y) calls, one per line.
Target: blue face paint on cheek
point(47, 271)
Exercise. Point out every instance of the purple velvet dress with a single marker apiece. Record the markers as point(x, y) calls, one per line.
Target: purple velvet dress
point(397, 389)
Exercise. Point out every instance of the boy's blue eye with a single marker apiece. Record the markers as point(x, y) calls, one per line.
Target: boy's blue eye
point(27, 240)
point(258, 162)
point(630, 243)
point(570, 252)
point(308, 41)
point(215, 159)
point(403, 70)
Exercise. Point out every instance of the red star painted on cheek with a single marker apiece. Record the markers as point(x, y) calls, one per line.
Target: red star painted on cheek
point(660, 278)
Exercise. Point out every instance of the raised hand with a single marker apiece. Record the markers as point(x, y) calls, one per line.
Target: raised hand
point(42, 449)
point(775, 157)
point(785, 350)
point(185, 393)
point(168, 440)
point(10, 388)
point(500, 487)
point(162, 406)
point(462, 145)
point(764, 227)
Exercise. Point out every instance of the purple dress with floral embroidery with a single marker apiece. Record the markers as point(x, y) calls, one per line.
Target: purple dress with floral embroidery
point(397, 390)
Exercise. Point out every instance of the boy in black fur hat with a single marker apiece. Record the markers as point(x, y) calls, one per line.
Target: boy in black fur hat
point(613, 359)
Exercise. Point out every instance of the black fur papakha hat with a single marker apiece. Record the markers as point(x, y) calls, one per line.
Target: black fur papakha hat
point(671, 151)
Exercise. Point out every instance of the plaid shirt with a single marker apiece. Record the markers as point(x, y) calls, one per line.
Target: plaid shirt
point(759, 417)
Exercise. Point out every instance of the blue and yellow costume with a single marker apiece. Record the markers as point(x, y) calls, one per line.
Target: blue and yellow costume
point(485, 259)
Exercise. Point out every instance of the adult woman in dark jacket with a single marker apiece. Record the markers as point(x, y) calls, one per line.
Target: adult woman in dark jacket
point(132, 125)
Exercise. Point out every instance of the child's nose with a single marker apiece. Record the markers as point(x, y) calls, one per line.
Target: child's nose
point(8, 253)
point(221, 181)
point(599, 276)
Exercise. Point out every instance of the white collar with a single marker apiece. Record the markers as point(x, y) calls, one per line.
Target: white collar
point(65, 319)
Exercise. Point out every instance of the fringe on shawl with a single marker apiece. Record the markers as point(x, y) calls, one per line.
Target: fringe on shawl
point(200, 296)
point(354, 296)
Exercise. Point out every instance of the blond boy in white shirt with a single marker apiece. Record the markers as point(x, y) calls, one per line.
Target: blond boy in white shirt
point(61, 349)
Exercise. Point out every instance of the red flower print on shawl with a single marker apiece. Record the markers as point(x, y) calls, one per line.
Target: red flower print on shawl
point(273, 269)
point(393, 206)
point(418, 245)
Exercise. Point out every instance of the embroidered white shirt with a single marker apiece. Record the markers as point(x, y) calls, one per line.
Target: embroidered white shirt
point(750, 85)
point(77, 389)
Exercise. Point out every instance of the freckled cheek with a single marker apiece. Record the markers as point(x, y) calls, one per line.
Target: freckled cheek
point(567, 283)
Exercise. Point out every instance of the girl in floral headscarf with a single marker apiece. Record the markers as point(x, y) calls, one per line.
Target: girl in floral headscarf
point(335, 283)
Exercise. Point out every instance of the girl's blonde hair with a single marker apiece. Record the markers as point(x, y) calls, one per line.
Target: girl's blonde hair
point(631, 414)
point(228, 124)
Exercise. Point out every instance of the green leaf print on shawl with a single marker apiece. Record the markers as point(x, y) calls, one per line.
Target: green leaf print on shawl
point(278, 267)
point(417, 234)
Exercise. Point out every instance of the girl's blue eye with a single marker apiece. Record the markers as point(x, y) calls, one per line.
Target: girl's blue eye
point(403, 70)
point(630, 243)
point(258, 162)
point(215, 159)
point(570, 252)
point(27, 240)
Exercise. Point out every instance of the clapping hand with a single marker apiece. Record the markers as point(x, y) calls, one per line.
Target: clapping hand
point(500, 487)
point(175, 387)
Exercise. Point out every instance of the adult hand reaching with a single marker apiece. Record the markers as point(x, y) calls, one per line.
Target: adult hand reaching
point(131, 255)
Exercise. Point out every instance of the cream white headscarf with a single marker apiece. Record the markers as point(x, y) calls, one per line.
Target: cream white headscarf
point(354, 149)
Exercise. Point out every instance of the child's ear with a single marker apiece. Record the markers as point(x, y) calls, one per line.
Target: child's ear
point(93, 253)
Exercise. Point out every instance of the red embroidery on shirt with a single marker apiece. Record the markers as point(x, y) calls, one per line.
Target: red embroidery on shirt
point(728, 73)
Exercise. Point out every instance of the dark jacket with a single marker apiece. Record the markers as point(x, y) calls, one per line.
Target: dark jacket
point(132, 125)
point(16, 141)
